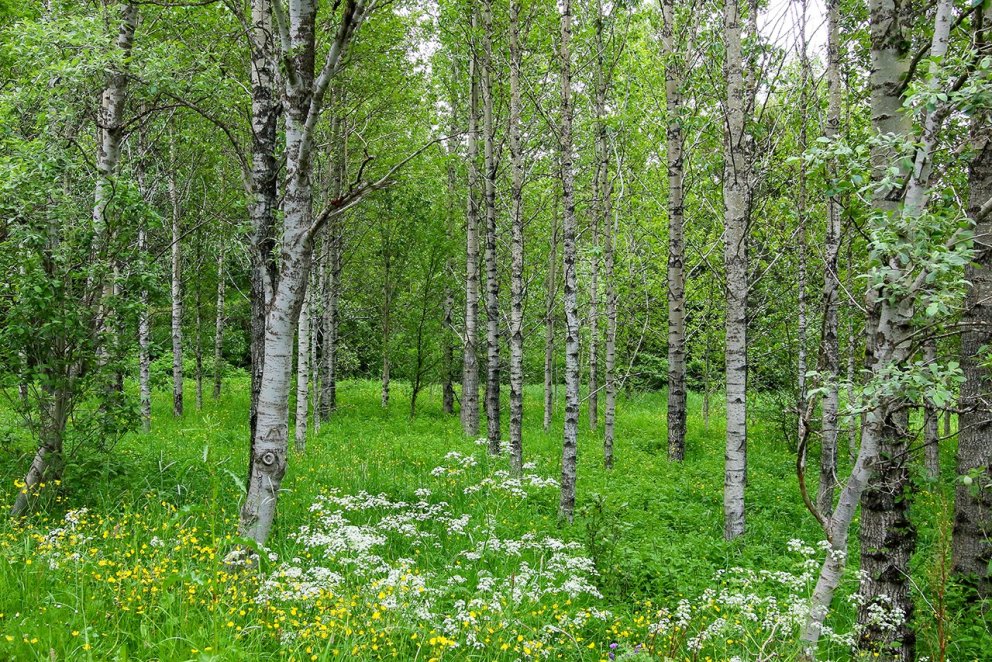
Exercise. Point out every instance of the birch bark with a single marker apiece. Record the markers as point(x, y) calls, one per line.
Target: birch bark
point(674, 148)
point(517, 249)
point(492, 273)
point(566, 508)
point(470, 363)
point(971, 545)
point(735, 197)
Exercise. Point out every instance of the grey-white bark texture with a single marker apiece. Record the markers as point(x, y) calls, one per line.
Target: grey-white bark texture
point(830, 342)
point(265, 111)
point(144, 346)
point(602, 234)
point(303, 373)
point(551, 291)
point(674, 156)
point(331, 264)
point(516, 248)
point(492, 271)
point(972, 541)
point(470, 360)
point(931, 420)
point(736, 184)
point(566, 506)
point(448, 310)
point(304, 96)
point(879, 478)
point(221, 319)
point(801, 220)
point(176, 289)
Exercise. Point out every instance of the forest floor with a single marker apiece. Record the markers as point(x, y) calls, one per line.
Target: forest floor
point(398, 538)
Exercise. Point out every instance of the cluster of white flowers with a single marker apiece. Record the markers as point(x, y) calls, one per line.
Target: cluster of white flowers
point(64, 543)
point(751, 607)
point(369, 547)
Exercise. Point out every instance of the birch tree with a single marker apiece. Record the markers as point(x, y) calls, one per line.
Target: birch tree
point(736, 176)
point(517, 248)
point(492, 271)
point(566, 507)
point(470, 364)
point(971, 548)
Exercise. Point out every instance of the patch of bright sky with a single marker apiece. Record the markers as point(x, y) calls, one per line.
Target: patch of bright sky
point(781, 20)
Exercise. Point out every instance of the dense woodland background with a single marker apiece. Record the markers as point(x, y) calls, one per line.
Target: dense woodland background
point(408, 329)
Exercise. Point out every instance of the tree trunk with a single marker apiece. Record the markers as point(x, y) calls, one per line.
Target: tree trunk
point(221, 319)
point(303, 101)
point(492, 273)
point(566, 508)
point(736, 178)
point(470, 362)
point(931, 420)
point(516, 249)
point(676, 241)
point(144, 344)
point(265, 110)
point(303, 373)
point(879, 478)
point(448, 321)
point(831, 281)
point(549, 326)
point(332, 276)
point(972, 545)
point(387, 305)
point(177, 292)
point(198, 325)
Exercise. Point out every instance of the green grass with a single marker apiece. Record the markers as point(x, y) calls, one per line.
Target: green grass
point(151, 583)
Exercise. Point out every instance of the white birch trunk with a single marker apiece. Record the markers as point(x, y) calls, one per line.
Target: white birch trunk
point(492, 273)
point(735, 196)
point(566, 508)
point(176, 290)
point(220, 321)
point(516, 250)
point(303, 374)
point(470, 362)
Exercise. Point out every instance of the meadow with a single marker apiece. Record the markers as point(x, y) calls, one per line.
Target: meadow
point(398, 538)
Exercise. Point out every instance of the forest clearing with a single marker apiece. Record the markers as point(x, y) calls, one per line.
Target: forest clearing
point(496, 330)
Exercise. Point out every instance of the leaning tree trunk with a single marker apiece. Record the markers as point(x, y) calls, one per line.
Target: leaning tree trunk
point(972, 545)
point(470, 361)
point(516, 249)
point(177, 292)
point(492, 272)
point(879, 478)
point(566, 507)
point(220, 321)
point(735, 195)
point(56, 403)
point(831, 281)
point(676, 241)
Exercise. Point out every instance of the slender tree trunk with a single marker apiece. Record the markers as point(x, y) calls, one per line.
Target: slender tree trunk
point(972, 545)
point(303, 373)
point(516, 250)
point(387, 305)
point(852, 347)
point(448, 321)
point(831, 281)
point(676, 241)
point(931, 420)
point(735, 195)
point(221, 319)
point(144, 345)
point(332, 276)
point(609, 413)
point(566, 508)
point(470, 363)
point(492, 273)
point(549, 326)
point(198, 325)
point(801, 307)
point(177, 292)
